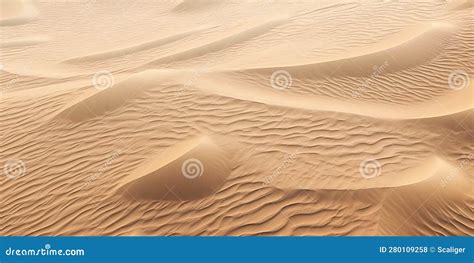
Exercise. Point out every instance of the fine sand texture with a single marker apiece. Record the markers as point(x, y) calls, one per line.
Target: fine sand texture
point(205, 117)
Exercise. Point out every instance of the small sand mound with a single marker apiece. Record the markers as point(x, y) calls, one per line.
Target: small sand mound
point(113, 95)
point(187, 171)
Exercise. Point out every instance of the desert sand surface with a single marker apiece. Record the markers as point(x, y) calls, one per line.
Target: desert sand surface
point(236, 117)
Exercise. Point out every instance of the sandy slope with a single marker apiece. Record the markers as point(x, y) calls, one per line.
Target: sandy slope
point(227, 118)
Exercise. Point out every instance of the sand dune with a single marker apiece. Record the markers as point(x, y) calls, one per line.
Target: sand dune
point(222, 43)
point(431, 167)
point(98, 102)
point(457, 102)
point(190, 170)
point(460, 122)
point(442, 187)
point(408, 48)
point(226, 118)
point(137, 48)
point(101, 102)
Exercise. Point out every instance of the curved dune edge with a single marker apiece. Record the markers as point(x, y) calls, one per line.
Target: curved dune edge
point(136, 48)
point(430, 169)
point(24, 42)
point(17, 12)
point(415, 209)
point(220, 44)
point(451, 103)
point(101, 101)
point(188, 170)
point(403, 50)
point(462, 121)
point(192, 5)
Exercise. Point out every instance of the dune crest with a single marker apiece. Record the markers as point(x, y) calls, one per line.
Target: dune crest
point(409, 47)
point(189, 170)
point(448, 104)
point(136, 48)
point(220, 44)
point(407, 206)
point(98, 102)
point(192, 5)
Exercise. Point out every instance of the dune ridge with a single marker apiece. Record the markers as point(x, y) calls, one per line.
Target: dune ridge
point(220, 44)
point(98, 102)
point(107, 100)
point(136, 48)
point(190, 5)
point(403, 50)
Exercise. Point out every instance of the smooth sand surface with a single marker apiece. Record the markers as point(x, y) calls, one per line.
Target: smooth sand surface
point(236, 117)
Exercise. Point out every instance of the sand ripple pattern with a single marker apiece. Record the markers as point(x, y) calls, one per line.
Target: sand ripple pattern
point(67, 146)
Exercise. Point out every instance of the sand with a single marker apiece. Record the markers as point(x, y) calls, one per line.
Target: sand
point(236, 117)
